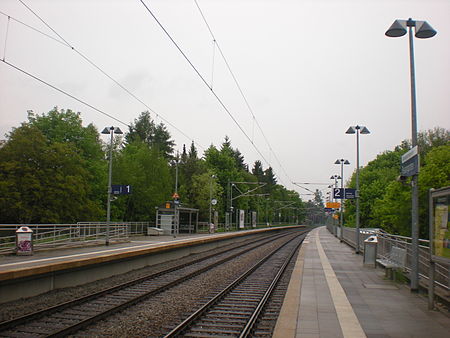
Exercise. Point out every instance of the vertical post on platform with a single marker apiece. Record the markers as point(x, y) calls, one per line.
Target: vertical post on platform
point(111, 131)
point(423, 31)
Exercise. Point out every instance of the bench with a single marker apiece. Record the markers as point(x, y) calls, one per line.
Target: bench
point(395, 260)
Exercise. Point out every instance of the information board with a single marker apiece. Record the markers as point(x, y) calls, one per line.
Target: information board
point(410, 163)
point(440, 226)
point(241, 218)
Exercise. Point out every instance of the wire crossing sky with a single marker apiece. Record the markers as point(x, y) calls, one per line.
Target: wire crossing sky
point(310, 69)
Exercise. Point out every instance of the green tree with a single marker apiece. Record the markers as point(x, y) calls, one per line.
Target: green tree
point(65, 126)
point(434, 174)
point(374, 179)
point(190, 167)
point(155, 136)
point(385, 202)
point(258, 171)
point(202, 185)
point(42, 181)
point(149, 175)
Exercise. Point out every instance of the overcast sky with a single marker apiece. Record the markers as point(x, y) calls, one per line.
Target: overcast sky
point(308, 69)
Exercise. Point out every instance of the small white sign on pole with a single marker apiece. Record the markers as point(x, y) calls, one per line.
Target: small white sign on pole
point(241, 218)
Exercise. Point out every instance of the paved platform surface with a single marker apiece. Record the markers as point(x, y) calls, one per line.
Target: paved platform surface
point(331, 294)
point(50, 261)
point(74, 253)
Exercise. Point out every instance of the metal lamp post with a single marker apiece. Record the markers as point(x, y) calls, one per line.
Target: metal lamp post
point(357, 130)
point(111, 131)
point(176, 221)
point(335, 178)
point(210, 197)
point(423, 31)
point(231, 205)
point(342, 162)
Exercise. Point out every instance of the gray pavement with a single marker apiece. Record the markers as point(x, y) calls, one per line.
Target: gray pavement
point(59, 254)
point(339, 297)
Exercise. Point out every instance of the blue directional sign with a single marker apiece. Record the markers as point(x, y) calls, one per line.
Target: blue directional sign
point(350, 193)
point(338, 193)
point(344, 193)
point(120, 189)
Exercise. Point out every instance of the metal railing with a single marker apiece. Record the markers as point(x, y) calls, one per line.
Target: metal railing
point(66, 235)
point(386, 241)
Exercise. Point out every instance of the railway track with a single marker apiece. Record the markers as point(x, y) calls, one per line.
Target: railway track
point(70, 317)
point(240, 307)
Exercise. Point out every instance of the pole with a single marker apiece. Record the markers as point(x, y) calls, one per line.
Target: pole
point(334, 200)
point(431, 271)
point(342, 201)
point(176, 174)
point(176, 220)
point(357, 191)
point(108, 207)
point(210, 199)
point(231, 205)
point(414, 181)
point(176, 223)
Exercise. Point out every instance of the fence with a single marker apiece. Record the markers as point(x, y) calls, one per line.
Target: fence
point(387, 241)
point(66, 235)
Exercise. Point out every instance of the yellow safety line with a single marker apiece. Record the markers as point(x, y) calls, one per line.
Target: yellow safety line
point(347, 318)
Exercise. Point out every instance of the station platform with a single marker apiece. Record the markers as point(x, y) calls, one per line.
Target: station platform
point(27, 276)
point(58, 259)
point(61, 255)
point(332, 294)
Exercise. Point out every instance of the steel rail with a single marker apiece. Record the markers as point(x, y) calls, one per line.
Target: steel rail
point(252, 321)
point(54, 309)
point(179, 329)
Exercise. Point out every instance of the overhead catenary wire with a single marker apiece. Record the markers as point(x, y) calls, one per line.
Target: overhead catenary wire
point(69, 45)
point(34, 28)
point(6, 38)
point(64, 92)
point(204, 80)
point(255, 120)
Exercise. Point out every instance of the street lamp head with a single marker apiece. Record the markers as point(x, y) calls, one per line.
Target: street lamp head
point(397, 29)
point(115, 130)
point(424, 30)
point(341, 161)
point(364, 130)
point(350, 130)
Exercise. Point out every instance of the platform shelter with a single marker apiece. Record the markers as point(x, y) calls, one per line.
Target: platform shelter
point(168, 213)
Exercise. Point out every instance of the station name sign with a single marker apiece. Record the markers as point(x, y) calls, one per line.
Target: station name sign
point(344, 193)
point(120, 189)
point(410, 162)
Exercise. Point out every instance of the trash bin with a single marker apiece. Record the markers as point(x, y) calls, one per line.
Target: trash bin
point(370, 250)
point(24, 241)
point(211, 228)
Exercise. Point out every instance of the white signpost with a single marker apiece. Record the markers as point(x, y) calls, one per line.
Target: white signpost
point(241, 219)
